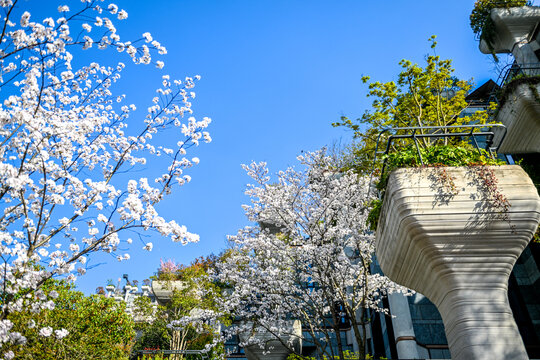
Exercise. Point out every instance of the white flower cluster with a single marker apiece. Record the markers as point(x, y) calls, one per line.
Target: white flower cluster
point(202, 321)
point(310, 251)
point(48, 331)
point(65, 147)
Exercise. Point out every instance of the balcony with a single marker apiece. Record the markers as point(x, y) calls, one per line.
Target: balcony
point(163, 289)
point(519, 109)
point(515, 30)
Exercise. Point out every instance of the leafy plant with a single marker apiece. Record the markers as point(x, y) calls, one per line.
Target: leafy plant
point(374, 214)
point(99, 328)
point(531, 164)
point(504, 94)
point(439, 156)
point(421, 97)
point(348, 355)
point(175, 325)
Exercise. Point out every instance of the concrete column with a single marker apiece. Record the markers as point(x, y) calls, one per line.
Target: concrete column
point(351, 340)
point(403, 327)
point(458, 249)
point(524, 55)
point(479, 323)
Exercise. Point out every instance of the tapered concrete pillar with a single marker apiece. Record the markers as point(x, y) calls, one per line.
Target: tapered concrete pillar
point(456, 241)
point(403, 327)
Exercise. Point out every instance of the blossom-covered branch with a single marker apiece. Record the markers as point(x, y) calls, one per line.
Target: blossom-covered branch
point(308, 258)
point(67, 142)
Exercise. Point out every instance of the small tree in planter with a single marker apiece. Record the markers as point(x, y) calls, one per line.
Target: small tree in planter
point(421, 96)
point(187, 317)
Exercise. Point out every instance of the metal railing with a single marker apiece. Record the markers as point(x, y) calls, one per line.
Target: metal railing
point(511, 71)
point(203, 355)
point(416, 132)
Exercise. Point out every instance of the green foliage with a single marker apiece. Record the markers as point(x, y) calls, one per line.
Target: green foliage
point(422, 96)
point(505, 93)
point(99, 328)
point(438, 156)
point(152, 357)
point(197, 292)
point(531, 164)
point(374, 214)
point(480, 20)
point(155, 336)
point(169, 270)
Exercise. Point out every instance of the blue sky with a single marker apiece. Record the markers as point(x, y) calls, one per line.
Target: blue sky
point(275, 75)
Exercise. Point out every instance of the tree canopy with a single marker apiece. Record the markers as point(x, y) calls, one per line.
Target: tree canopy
point(421, 97)
point(67, 141)
point(308, 259)
point(76, 327)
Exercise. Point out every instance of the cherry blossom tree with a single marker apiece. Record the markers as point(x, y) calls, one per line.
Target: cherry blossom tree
point(308, 258)
point(68, 146)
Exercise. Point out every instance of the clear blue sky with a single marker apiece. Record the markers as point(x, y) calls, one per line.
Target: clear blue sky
point(275, 75)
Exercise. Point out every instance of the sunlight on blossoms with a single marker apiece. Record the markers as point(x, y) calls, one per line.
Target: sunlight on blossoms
point(68, 141)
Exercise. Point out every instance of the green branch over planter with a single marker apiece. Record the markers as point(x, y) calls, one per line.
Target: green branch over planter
point(421, 97)
point(437, 156)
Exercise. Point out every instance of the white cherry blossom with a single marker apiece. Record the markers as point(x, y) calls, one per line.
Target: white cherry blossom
point(66, 143)
point(308, 258)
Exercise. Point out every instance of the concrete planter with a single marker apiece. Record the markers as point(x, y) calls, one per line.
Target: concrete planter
point(521, 116)
point(163, 289)
point(513, 27)
point(459, 250)
point(145, 289)
point(273, 349)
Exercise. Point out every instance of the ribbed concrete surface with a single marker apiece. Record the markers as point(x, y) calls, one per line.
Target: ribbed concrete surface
point(459, 252)
point(521, 116)
point(512, 25)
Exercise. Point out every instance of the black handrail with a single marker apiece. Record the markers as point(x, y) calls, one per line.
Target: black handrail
point(432, 134)
point(201, 353)
point(512, 70)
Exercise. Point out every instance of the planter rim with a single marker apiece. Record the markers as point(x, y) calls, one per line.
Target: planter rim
point(429, 167)
point(523, 16)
